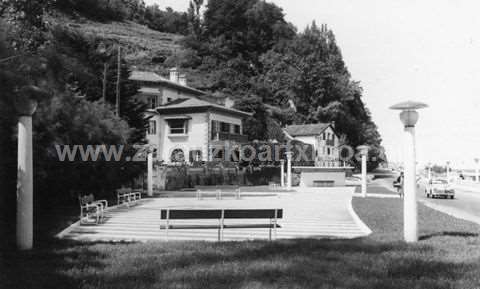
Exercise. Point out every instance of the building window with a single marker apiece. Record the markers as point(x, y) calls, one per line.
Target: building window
point(152, 101)
point(195, 156)
point(178, 126)
point(152, 127)
point(177, 156)
point(217, 154)
point(323, 136)
point(236, 128)
point(224, 127)
point(328, 151)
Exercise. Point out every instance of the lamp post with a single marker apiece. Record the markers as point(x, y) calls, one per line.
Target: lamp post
point(282, 179)
point(477, 169)
point(364, 153)
point(448, 171)
point(25, 107)
point(150, 173)
point(429, 171)
point(409, 117)
point(289, 169)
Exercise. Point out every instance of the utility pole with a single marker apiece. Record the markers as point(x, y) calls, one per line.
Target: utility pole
point(117, 102)
point(104, 84)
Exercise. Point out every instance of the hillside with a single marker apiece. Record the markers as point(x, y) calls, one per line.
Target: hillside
point(144, 48)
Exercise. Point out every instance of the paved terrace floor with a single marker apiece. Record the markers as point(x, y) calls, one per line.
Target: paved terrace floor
point(309, 213)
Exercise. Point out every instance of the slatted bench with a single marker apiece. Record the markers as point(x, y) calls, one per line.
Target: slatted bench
point(219, 191)
point(89, 207)
point(128, 197)
point(221, 215)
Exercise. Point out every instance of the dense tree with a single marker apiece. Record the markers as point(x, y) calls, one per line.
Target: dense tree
point(249, 52)
point(310, 72)
point(166, 20)
point(32, 55)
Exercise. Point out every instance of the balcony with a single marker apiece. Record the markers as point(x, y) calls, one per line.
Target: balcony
point(225, 136)
point(330, 142)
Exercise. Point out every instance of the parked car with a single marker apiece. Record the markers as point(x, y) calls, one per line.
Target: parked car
point(439, 188)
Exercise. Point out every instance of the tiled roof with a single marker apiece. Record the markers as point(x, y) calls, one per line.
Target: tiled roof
point(192, 103)
point(148, 76)
point(306, 129)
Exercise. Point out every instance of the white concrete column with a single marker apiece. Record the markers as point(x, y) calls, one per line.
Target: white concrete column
point(289, 170)
point(410, 194)
point(364, 153)
point(25, 184)
point(477, 170)
point(364, 175)
point(150, 173)
point(282, 173)
point(429, 172)
point(448, 171)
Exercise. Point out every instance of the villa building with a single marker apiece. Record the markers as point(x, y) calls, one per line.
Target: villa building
point(322, 137)
point(184, 124)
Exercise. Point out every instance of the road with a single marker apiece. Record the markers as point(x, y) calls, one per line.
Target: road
point(466, 204)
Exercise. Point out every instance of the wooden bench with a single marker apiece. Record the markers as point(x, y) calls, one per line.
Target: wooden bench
point(324, 183)
point(218, 191)
point(128, 197)
point(273, 185)
point(89, 207)
point(221, 215)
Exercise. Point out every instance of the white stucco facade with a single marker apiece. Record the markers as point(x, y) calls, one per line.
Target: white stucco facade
point(325, 145)
point(172, 103)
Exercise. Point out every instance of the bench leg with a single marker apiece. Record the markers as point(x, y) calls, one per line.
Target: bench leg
point(167, 225)
point(275, 227)
point(270, 231)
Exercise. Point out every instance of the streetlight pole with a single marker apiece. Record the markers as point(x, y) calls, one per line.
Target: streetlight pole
point(25, 107)
point(477, 176)
point(429, 171)
point(409, 117)
point(448, 171)
point(149, 173)
point(282, 178)
point(289, 169)
point(364, 153)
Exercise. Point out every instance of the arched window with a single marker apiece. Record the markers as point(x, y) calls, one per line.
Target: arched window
point(177, 156)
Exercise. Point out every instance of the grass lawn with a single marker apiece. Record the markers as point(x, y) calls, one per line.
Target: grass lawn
point(447, 257)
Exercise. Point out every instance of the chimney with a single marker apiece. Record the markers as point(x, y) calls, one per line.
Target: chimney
point(229, 102)
point(174, 74)
point(182, 79)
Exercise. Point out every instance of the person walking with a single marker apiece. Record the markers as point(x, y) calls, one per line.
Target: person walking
point(398, 184)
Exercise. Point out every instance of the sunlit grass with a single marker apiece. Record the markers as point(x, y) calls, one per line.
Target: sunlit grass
point(447, 257)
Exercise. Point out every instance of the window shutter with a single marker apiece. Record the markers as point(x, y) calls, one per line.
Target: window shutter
point(191, 156)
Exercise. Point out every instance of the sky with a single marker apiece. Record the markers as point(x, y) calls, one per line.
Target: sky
point(427, 51)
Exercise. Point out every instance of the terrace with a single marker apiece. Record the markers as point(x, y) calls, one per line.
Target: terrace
point(301, 218)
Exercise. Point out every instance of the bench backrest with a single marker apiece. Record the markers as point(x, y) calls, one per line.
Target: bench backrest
point(214, 188)
point(228, 188)
point(217, 214)
point(206, 188)
point(86, 199)
point(124, 191)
